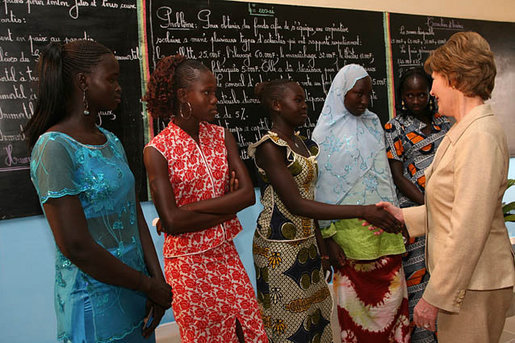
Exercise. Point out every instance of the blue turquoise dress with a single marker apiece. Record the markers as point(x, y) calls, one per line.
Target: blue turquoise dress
point(88, 310)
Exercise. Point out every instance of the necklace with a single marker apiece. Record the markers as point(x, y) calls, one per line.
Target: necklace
point(292, 138)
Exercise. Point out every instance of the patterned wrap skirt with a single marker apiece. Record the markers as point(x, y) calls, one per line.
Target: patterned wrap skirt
point(372, 301)
point(212, 290)
point(294, 297)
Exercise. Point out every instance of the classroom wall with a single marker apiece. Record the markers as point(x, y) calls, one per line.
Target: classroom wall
point(27, 247)
point(27, 254)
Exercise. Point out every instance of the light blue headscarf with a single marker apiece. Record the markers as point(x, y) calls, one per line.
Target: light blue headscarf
point(353, 168)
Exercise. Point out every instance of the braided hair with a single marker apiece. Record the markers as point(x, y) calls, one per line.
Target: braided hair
point(171, 74)
point(269, 91)
point(57, 66)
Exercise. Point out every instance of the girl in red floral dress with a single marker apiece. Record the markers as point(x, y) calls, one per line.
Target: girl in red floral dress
point(188, 166)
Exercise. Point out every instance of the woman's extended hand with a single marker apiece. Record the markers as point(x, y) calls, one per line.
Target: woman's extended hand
point(424, 315)
point(158, 291)
point(379, 217)
point(393, 210)
point(335, 252)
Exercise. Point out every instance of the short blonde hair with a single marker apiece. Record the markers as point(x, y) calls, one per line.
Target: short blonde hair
point(467, 63)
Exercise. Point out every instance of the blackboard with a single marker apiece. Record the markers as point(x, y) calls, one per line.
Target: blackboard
point(245, 43)
point(414, 37)
point(25, 28)
point(242, 43)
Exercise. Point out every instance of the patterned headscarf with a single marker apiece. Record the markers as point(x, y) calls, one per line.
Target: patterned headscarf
point(350, 147)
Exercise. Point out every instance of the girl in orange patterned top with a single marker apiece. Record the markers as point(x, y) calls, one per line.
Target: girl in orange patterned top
point(188, 166)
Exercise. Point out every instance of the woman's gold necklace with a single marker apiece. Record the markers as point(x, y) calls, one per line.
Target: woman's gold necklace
point(294, 141)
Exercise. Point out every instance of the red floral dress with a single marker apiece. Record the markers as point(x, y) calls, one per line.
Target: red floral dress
point(211, 288)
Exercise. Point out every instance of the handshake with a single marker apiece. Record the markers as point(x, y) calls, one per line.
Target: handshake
point(385, 217)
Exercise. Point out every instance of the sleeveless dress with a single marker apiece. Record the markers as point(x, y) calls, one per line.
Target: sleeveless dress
point(210, 286)
point(294, 297)
point(88, 310)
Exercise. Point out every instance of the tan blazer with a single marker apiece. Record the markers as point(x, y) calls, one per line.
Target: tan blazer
point(467, 245)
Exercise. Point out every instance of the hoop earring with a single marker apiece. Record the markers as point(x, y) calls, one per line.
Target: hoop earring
point(403, 106)
point(85, 102)
point(181, 114)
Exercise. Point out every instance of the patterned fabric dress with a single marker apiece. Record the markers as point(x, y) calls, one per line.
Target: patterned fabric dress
point(210, 286)
point(405, 142)
point(370, 289)
point(295, 300)
point(88, 310)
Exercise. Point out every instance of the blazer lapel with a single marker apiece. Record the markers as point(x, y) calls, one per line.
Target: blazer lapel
point(455, 133)
point(440, 152)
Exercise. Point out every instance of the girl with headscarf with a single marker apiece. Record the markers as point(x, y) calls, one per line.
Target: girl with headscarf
point(369, 283)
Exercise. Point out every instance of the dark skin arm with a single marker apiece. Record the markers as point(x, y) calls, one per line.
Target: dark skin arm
point(241, 197)
point(320, 240)
point(70, 230)
point(270, 158)
point(405, 185)
point(233, 185)
point(149, 250)
point(335, 252)
point(154, 268)
point(174, 220)
point(203, 214)
point(323, 251)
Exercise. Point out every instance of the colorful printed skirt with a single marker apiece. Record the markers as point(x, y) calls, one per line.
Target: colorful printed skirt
point(211, 291)
point(372, 301)
point(295, 300)
point(417, 278)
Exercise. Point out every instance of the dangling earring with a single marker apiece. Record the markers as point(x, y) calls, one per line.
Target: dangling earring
point(403, 106)
point(180, 111)
point(431, 104)
point(85, 102)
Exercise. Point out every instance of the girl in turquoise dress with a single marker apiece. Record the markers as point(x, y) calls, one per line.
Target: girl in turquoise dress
point(109, 286)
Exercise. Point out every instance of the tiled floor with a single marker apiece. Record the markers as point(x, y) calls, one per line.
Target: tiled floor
point(169, 333)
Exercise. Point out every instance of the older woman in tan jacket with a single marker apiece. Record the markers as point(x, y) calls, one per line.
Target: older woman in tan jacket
point(468, 251)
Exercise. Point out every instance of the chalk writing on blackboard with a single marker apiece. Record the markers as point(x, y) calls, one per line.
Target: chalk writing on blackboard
point(414, 37)
point(244, 44)
point(25, 28)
